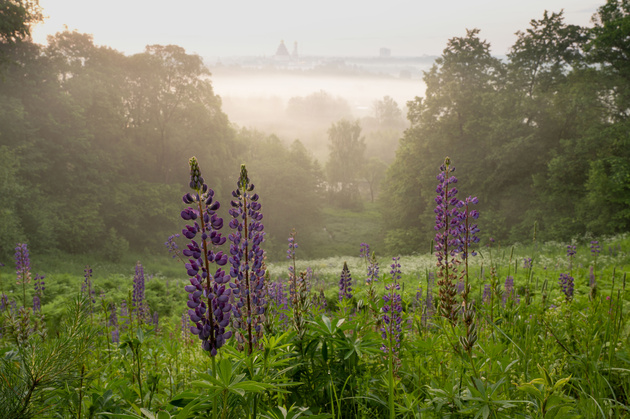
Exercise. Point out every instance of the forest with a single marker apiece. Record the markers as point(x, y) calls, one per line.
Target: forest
point(149, 258)
point(95, 143)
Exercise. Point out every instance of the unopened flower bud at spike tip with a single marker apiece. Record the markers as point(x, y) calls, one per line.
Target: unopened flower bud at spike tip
point(243, 179)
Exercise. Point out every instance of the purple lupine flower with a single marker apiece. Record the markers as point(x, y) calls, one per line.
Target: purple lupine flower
point(417, 301)
point(392, 312)
point(308, 278)
point(37, 304)
point(156, 320)
point(115, 336)
point(527, 263)
point(595, 247)
point(139, 307)
point(247, 260)
point(22, 264)
point(22, 268)
point(39, 292)
point(509, 293)
point(4, 302)
point(86, 287)
point(292, 268)
point(113, 318)
point(209, 295)
point(467, 230)
point(447, 239)
point(123, 309)
point(372, 270)
point(278, 296)
point(292, 246)
point(364, 251)
point(566, 282)
point(571, 250)
point(172, 247)
point(345, 284)
point(487, 293)
point(185, 324)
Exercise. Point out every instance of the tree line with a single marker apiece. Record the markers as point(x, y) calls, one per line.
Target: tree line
point(541, 137)
point(94, 147)
point(94, 144)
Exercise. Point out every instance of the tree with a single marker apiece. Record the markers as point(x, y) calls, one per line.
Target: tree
point(387, 113)
point(373, 172)
point(319, 107)
point(609, 46)
point(17, 18)
point(610, 36)
point(454, 119)
point(542, 54)
point(346, 157)
point(289, 182)
point(166, 87)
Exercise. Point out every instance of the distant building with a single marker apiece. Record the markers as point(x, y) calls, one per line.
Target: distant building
point(294, 55)
point(385, 53)
point(282, 53)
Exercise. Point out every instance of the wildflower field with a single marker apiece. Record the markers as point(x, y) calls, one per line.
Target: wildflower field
point(474, 329)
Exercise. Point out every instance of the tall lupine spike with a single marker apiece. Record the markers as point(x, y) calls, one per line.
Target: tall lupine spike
point(566, 282)
point(247, 260)
point(372, 277)
point(39, 293)
point(595, 248)
point(138, 302)
point(293, 274)
point(208, 294)
point(392, 314)
point(22, 268)
point(345, 283)
point(447, 239)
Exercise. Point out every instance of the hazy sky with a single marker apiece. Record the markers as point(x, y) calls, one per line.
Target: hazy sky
point(324, 27)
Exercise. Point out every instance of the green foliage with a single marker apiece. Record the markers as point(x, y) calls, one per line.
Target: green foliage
point(335, 368)
point(17, 18)
point(346, 159)
point(34, 370)
point(541, 133)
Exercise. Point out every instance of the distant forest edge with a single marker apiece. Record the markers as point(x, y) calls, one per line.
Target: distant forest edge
point(94, 144)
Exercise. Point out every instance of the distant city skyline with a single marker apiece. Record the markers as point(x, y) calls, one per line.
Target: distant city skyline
point(325, 28)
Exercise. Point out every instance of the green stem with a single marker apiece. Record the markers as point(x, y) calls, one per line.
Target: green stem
point(81, 391)
point(392, 413)
point(139, 374)
point(214, 374)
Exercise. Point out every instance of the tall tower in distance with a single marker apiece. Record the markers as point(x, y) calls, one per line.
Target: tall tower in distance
point(294, 54)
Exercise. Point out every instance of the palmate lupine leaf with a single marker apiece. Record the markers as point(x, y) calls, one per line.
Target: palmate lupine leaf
point(227, 381)
point(293, 412)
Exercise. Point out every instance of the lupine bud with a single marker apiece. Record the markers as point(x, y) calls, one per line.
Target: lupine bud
point(345, 284)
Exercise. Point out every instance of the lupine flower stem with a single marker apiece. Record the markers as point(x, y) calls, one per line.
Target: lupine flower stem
point(392, 310)
point(447, 239)
point(23, 268)
point(212, 315)
point(247, 260)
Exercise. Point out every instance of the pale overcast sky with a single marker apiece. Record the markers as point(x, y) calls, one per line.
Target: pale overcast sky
point(323, 27)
